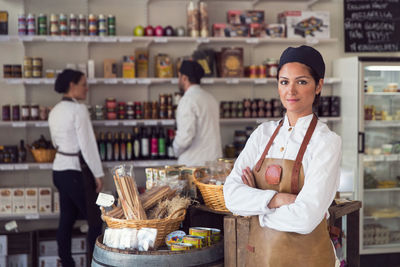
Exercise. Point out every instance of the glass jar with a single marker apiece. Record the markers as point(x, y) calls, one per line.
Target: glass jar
point(43, 113)
point(25, 112)
point(272, 68)
point(6, 113)
point(34, 112)
point(7, 71)
point(111, 103)
point(15, 113)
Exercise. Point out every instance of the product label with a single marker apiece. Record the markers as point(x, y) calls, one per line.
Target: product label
point(129, 151)
point(105, 200)
point(154, 147)
point(136, 149)
point(109, 151)
point(161, 147)
point(170, 151)
point(145, 147)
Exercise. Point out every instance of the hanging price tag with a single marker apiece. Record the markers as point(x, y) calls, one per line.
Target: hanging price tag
point(129, 123)
point(125, 39)
point(203, 40)
point(105, 200)
point(252, 40)
point(207, 81)
point(151, 123)
point(260, 81)
point(128, 81)
point(111, 123)
point(21, 167)
point(110, 81)
point(161, 40)
point(143, 81)
point(41, 124)
point(33, 216)
point(232, 81)
point(6, 167)
point(18, 124)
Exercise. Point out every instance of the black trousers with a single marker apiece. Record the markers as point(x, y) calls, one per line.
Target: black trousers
point(77, 201)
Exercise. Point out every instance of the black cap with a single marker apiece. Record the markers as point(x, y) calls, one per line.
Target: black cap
point(305, 55)
point(192, 69)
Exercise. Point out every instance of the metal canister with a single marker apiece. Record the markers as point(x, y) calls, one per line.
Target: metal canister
point(21, 24)
point(73, 25)
point(42, 24)
point(101, 25)
point(111, 25)
point(196, 241)
point(28, 67)
point(82, 24)
point(181, 246)
point(253, 71)
point(7, 71)
point(16, 71)
point(92, 20)
point(31, 24)
point(54, 26)
point(63, 24)
point(216, 233)
point(262, 71)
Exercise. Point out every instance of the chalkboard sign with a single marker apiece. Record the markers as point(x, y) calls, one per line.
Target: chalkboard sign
point(372, 25)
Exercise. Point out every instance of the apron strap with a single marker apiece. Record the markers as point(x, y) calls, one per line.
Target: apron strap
point(271, 140)
point(300, 154)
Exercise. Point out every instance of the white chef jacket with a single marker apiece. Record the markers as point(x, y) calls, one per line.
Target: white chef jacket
point(198, 136)
point(71, 131)
point(321, 164)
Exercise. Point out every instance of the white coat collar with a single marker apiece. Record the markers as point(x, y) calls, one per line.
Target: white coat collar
point(301, 122)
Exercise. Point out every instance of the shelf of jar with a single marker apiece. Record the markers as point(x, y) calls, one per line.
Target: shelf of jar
point(393, 189)
point(383, 94)
point(162, 122)
point(382, 158)
point(164, 39)
point(381, 124)
point(32, 216)
point(149, 81)
point(107, 164)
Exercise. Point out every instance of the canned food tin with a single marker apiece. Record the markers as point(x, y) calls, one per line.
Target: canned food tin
point(53, 18)
point(28, 73)
point(216, 233)
point(37, 61)
point(37, 73)
point(181, 246)
point(253, 71)
point(7, 71)
point(42, 19)
point(50, 74)
point(111, 20)
point(199, 231)
point(196, 241)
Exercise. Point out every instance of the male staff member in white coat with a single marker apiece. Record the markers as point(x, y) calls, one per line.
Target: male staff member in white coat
point(198, 136)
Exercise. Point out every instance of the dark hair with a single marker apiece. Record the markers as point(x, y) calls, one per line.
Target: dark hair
point(316, 78)
point(65, 78)
point(193, 80)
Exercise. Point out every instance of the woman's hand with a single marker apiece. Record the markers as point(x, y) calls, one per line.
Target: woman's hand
point(281, 199)
point(248, 177)
point(99, 184)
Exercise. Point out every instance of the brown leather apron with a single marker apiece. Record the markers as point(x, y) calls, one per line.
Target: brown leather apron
point(269, 247)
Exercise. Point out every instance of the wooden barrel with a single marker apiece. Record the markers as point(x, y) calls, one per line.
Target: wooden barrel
point(110, 257)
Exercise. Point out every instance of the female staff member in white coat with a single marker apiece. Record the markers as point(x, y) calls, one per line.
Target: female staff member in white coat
point(77, 180)
point(288, 173)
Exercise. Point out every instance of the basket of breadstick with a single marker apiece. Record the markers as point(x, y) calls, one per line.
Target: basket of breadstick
point(160, 207)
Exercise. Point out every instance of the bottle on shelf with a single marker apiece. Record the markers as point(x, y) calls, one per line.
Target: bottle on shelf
point(170, 139)
point(109, 147)
point(122, 147)
point(21, 152)
point(129, 147)
point(154, 144)
point(144, 141)
point(102, 147)
point(116, 147)
point(136, 143)
point(161, 144)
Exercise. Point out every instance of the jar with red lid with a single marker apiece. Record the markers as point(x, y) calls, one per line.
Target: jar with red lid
point(111, 103)
point(111, 115)
point(272, 68)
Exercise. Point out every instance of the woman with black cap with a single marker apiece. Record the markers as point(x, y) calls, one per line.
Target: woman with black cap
point(77, 169)
point(288, 173)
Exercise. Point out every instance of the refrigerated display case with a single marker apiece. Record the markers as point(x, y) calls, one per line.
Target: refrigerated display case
point(370, 130)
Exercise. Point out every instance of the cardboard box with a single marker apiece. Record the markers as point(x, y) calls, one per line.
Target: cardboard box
point(56, 202)
point(233, 17)
point(3, 245)
point(302, 24)
point(18, 200)
point(48, 248)
point(231, 62)
point(218, 29)
point(6, 201)
point(237, 31)
point(49, 261)
point(252, 16)
point(110, 68)
point(17, 260)
point(79, 259)
point(142, 63)
point(128, 70)
point(3, 261)
point(45, 200)
point(275, 30)
point(78, 245)
point(31, 200)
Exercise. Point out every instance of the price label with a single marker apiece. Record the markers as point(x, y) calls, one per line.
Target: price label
point(167, 122)
point(207, 81)
point(161, 40)
point(129, 123)
point(59, 38)
point(128, 81)
point(21, 167)
point(14, 81)
point(311, 40)
point(203, 40)
point(45, 166)
point(21, 124)
point(368, 158)
point(150, 123)
point(6, 167)
point(92, 81)
point(4, 38)
point(143, 81)
point(77, 38)
point(41, 124)
point(379, 158)
point(260, 81)
point(11, 226)
point(110, 81)
point(174, 81)
point(105, 200)
point(26, 38)
point(232, 81)
point(68, 38)
point(33, 81)
point(252, 40)
point(111, 123)
point(126, 39)
point(48, 81)
point(392, 157)
point(87, 38)
point(33, 216)
point(94, 39)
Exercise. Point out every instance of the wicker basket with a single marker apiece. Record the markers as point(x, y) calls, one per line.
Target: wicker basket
point(43, 155)
point(213, 195)
point(163, 226)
